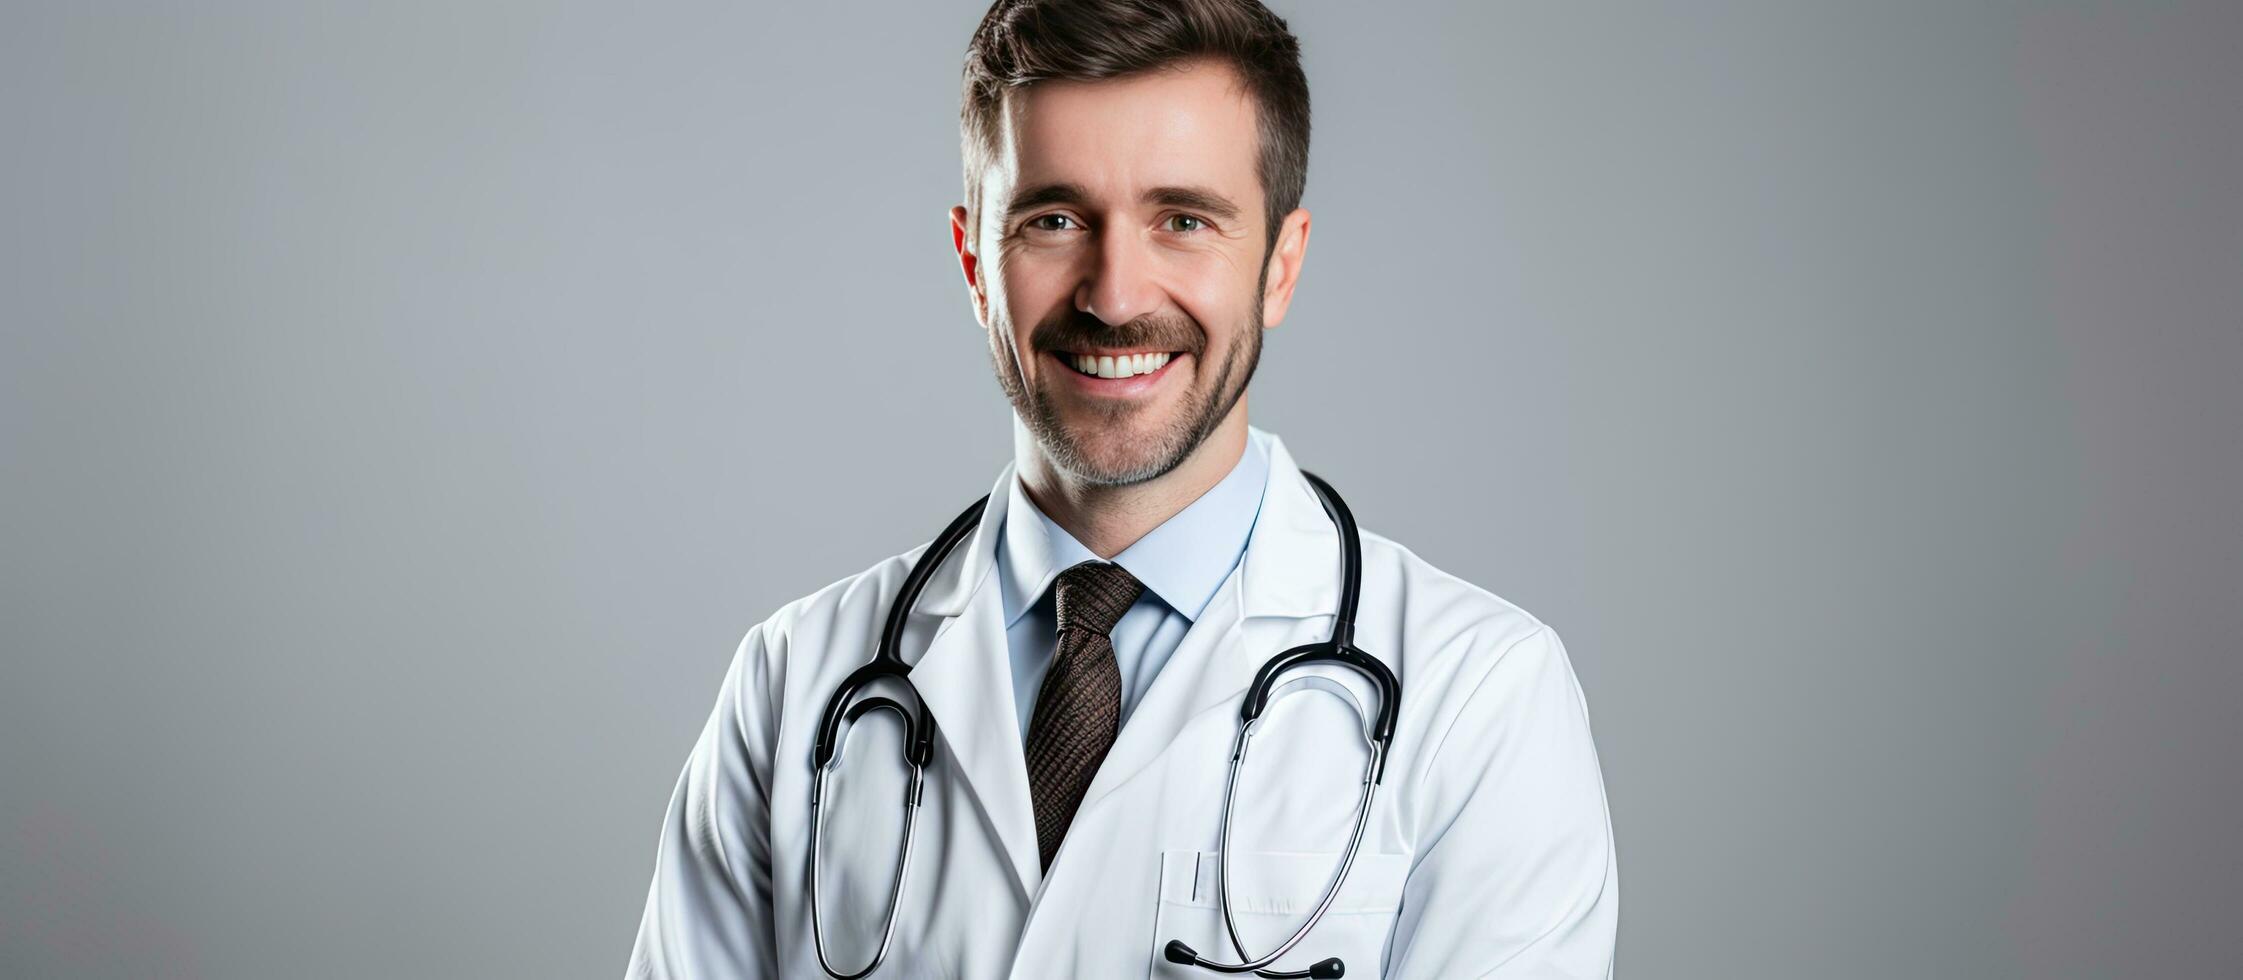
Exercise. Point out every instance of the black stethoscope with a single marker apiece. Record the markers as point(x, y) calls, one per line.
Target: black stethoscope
point(918, 749)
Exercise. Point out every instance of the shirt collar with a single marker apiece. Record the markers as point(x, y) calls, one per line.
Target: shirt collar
point(1183, 561)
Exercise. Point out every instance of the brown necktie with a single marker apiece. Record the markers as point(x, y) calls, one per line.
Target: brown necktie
point(1078, 708)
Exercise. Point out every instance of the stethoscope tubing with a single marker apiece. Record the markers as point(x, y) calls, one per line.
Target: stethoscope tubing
point(1331, 890)
point(887, 664)
point(912, 794)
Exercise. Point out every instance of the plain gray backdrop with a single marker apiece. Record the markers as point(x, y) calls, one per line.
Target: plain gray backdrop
point(406, 407)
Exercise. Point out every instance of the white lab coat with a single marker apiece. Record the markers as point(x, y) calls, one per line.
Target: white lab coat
point(1489, 851)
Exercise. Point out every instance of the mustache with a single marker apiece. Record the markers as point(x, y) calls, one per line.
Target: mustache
point(1076, 330)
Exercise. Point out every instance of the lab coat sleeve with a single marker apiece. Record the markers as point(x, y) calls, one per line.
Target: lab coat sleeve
point(1516, 876)
point(708, 911)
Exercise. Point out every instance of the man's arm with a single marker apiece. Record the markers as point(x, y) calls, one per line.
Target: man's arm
point(708, 912)
point(1517, 877)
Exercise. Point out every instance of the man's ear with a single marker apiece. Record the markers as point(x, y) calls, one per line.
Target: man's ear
point(1284, 270)
point(961, 238)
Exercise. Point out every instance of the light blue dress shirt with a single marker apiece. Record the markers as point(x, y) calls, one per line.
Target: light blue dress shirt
point(1182, 562)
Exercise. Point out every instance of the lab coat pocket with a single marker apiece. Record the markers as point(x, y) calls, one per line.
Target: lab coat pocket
point(1272, 893)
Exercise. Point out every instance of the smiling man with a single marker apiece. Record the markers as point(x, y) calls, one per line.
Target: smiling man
point(1041, 772)
point(1125, 264)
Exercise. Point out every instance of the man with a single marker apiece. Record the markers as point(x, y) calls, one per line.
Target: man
point(1131, 227)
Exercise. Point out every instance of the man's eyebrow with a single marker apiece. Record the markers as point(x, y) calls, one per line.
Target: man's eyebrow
point(1191, 198)
point(1031, 198)
point(1194, 199)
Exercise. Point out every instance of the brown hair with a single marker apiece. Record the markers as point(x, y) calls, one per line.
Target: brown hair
point(1021, 42)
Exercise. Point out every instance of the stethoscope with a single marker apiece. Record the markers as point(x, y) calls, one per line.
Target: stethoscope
point(918, 748)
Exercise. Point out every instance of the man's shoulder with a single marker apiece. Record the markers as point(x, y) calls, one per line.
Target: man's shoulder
point(1444, 623)
point(844, 598)
point(1474, 661)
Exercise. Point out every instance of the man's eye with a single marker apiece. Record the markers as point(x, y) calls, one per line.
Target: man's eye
point(1185, 223)
point(1050, 222)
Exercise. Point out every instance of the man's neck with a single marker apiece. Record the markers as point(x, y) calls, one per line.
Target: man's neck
point(1108, 519)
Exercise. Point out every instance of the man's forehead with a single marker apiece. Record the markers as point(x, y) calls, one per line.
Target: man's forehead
point(1190, 123)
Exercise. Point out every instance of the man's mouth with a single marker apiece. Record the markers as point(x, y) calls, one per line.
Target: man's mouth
point(1126, 364)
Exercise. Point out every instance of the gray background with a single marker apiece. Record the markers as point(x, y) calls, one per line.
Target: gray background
point(406, 407)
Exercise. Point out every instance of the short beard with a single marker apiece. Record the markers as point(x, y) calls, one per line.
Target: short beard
point(1173, 446)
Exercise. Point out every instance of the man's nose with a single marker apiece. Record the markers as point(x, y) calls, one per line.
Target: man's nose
point(1119, 285)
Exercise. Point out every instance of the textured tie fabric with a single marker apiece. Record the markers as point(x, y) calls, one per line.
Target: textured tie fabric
point(1078, 708)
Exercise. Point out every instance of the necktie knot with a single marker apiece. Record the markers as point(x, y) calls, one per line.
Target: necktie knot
point(1093, 595)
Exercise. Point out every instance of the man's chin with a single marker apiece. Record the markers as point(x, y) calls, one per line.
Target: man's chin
point(1109, 453)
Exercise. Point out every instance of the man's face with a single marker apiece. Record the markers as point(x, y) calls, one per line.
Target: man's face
point(1122, 220)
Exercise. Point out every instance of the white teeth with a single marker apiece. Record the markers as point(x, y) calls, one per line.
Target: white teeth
point(1127, 365)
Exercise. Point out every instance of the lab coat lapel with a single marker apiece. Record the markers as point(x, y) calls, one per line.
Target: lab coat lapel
point(966, 678)
point(1282, 594)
